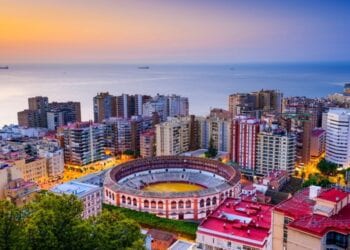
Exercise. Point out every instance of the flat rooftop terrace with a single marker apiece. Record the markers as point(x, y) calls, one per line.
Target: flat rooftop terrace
point(241, 221)
point(75, 188)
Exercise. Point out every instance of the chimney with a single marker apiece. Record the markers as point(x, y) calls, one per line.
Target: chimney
point(314, 191)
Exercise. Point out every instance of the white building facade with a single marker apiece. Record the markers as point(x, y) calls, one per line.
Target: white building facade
point(173, 137)
point(90, 195)
point(338, 137)
point(275, 151)
point(215, 129)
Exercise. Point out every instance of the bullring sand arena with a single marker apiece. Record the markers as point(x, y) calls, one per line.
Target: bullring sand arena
point(175, 187)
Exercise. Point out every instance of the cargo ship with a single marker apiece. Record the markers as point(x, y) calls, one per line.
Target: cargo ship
point(144, 67)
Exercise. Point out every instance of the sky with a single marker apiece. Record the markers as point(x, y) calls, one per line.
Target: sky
point(153, 31)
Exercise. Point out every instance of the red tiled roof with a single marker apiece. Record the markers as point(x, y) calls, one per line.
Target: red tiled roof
point(300, 208)
point(253, 232)
point(333, 195)
point(298, 205)
point(319, 224)
point(249, 187)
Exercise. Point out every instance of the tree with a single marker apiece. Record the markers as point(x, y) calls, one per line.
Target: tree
point(324, 182)
point(55, 222)
point(327, 168)
point(129, 152)
point(113, 230)
point(318, 180)
point(212, 151)
point(10, 225)
point(313, 180)
point(296, 173)
point(51, 221)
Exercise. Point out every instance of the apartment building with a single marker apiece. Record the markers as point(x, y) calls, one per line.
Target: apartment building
point(338, 137)
point(83, 143)
point(104, 106)
point(244, 140)
point(275, 150)
point(313, 218)
point(90, 195)
point(173, 136)
point(216, 130)
point(124, 133)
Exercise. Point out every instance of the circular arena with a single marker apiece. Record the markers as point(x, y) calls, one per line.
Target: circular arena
point(175, 187)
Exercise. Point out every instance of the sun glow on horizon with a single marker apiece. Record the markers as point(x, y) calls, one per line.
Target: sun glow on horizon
point(38, 30)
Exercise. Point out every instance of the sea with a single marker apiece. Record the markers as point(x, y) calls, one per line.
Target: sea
point(207, 85)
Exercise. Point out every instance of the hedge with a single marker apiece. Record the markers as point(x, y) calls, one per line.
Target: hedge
point(182, 228)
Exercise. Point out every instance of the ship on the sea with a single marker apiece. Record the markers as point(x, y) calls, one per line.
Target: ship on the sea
point(4, 67)
point(143, 67)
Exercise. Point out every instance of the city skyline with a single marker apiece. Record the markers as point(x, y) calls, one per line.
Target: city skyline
point(173, 31)
point(187, 124)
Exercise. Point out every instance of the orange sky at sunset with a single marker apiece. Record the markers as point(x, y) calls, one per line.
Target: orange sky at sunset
point(106, 30)
point(50, 30)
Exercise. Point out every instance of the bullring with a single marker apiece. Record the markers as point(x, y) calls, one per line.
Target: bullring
point(124, 186)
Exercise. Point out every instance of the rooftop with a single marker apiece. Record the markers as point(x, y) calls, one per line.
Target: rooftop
point(181, 245)
point(301, 208)
point(276, 175)
point(318, 132)
point(81, 125)
point(150, 132)
point(76, 188)
point(339, 111)
point(239, 220)
point(333, 195)
point(161, 235)
point(249, 187)
point(319, 224)
point(298, 205)
point(20, 184)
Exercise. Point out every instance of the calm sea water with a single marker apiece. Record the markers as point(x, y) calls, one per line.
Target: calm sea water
point(206, 85)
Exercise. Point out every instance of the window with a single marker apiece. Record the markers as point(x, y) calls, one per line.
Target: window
point(153, 204)
point(250, 248)
point(208, 202)
point(334, 238)
point(286, 221)
point(181, 204)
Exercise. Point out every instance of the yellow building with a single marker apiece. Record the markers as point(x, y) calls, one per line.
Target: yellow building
point(313, 219)
point(21, 192)
point(33, 169)
point(7, 173)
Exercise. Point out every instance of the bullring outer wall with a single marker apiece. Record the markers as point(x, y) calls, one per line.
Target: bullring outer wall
point(185, 205)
